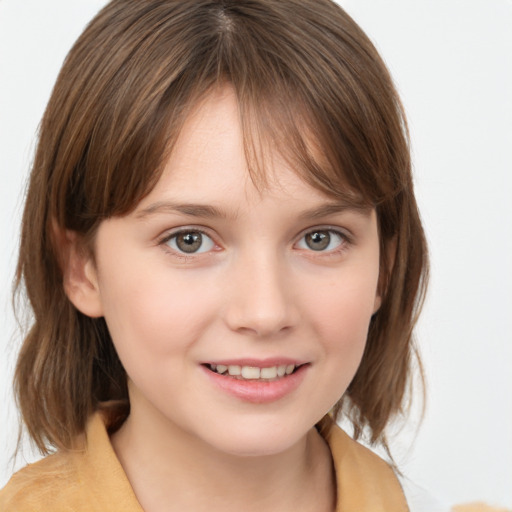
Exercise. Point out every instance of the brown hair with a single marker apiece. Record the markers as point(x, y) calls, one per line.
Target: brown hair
point(316, 89)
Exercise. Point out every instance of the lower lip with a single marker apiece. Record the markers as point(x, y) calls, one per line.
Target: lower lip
point(258, 391)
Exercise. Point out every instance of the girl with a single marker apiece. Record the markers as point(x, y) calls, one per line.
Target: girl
point(223, 253)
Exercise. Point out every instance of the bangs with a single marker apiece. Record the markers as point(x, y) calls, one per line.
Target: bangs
point(276, 129)
point(313, 91)
point(316, 92)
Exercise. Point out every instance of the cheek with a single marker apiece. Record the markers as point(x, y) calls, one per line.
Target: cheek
point(153, 314)
point(341, 315)
point(345, 319)
point(346, 303)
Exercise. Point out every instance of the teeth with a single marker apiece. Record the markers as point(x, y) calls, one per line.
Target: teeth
point(268, 373)
point(234, 370)
point(253, 372)
point(250, 372)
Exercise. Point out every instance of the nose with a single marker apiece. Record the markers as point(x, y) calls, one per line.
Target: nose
point(260, 301)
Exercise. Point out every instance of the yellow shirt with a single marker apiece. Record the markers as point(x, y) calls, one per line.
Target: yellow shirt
point(93, 480)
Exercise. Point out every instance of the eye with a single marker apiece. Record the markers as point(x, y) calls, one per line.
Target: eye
point(190, 242)
point(321, 240)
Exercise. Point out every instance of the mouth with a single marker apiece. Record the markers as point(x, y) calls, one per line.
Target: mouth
point(255, 373)
point(257, 381)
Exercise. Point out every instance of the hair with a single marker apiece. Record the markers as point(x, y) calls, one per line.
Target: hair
point(309, 84)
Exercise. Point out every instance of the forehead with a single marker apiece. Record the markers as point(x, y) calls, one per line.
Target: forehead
point(210, 159)
point(221, 137)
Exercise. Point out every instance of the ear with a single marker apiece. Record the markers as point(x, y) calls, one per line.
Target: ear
point(387, 262)
point(80, 278)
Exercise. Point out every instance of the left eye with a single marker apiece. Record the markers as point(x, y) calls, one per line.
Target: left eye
point(190, 242)
point(321, 240)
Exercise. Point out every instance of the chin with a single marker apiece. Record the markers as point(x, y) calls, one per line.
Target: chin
point(260, 447)
point(257, 440)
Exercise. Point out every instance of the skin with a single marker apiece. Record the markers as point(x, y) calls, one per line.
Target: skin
point(255, 289)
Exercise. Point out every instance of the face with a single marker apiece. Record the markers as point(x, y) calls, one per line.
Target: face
point(239, 315)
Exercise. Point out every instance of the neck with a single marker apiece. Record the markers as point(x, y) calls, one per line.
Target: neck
point(167, 466)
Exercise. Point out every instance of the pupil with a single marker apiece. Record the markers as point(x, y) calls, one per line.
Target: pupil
point(189, 242)
point(318, 240)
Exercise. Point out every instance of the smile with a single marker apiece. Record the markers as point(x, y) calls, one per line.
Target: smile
point(253, 372)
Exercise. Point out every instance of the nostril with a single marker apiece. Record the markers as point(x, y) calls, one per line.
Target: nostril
point(261, 319)
point(259, 302)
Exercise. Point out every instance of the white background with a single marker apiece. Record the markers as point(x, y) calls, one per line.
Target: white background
point(452, 62)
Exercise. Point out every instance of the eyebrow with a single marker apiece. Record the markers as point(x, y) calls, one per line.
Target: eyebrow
point(208, 211)
point(190, 209)
point(334, 208)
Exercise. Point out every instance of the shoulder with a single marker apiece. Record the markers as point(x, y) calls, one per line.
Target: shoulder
point(348, 452)
point(42, 485)
point(88, 480)
point(364, 481)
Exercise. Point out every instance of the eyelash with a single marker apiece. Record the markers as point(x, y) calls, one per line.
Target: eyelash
point(345, 240)
point(164, 242)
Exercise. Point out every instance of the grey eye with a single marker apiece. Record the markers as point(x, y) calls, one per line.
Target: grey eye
point(318, 240)
point(321, 240)
point(191, 242)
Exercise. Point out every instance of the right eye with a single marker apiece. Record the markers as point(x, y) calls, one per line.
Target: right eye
point(190, 242)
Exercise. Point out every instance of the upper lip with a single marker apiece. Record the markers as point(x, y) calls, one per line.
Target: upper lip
point(257, 363)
